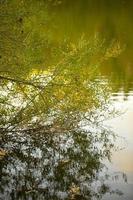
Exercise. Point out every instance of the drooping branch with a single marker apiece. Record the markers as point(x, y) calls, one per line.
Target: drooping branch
point(21, 81)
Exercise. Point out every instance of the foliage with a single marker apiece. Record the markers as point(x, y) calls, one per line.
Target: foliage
point(51, 107)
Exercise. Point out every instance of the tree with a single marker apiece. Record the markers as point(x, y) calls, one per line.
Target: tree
point(49, 95)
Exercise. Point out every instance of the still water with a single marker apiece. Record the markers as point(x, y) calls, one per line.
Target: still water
point(66, 100)
point(122, 159)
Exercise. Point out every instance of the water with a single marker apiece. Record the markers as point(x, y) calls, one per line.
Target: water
point(122, 160)
point(63, 99)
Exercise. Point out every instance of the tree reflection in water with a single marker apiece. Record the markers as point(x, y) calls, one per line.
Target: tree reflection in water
point(51, 133)
point(54, 153)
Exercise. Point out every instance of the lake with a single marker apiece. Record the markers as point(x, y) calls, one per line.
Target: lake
point(66, 100)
